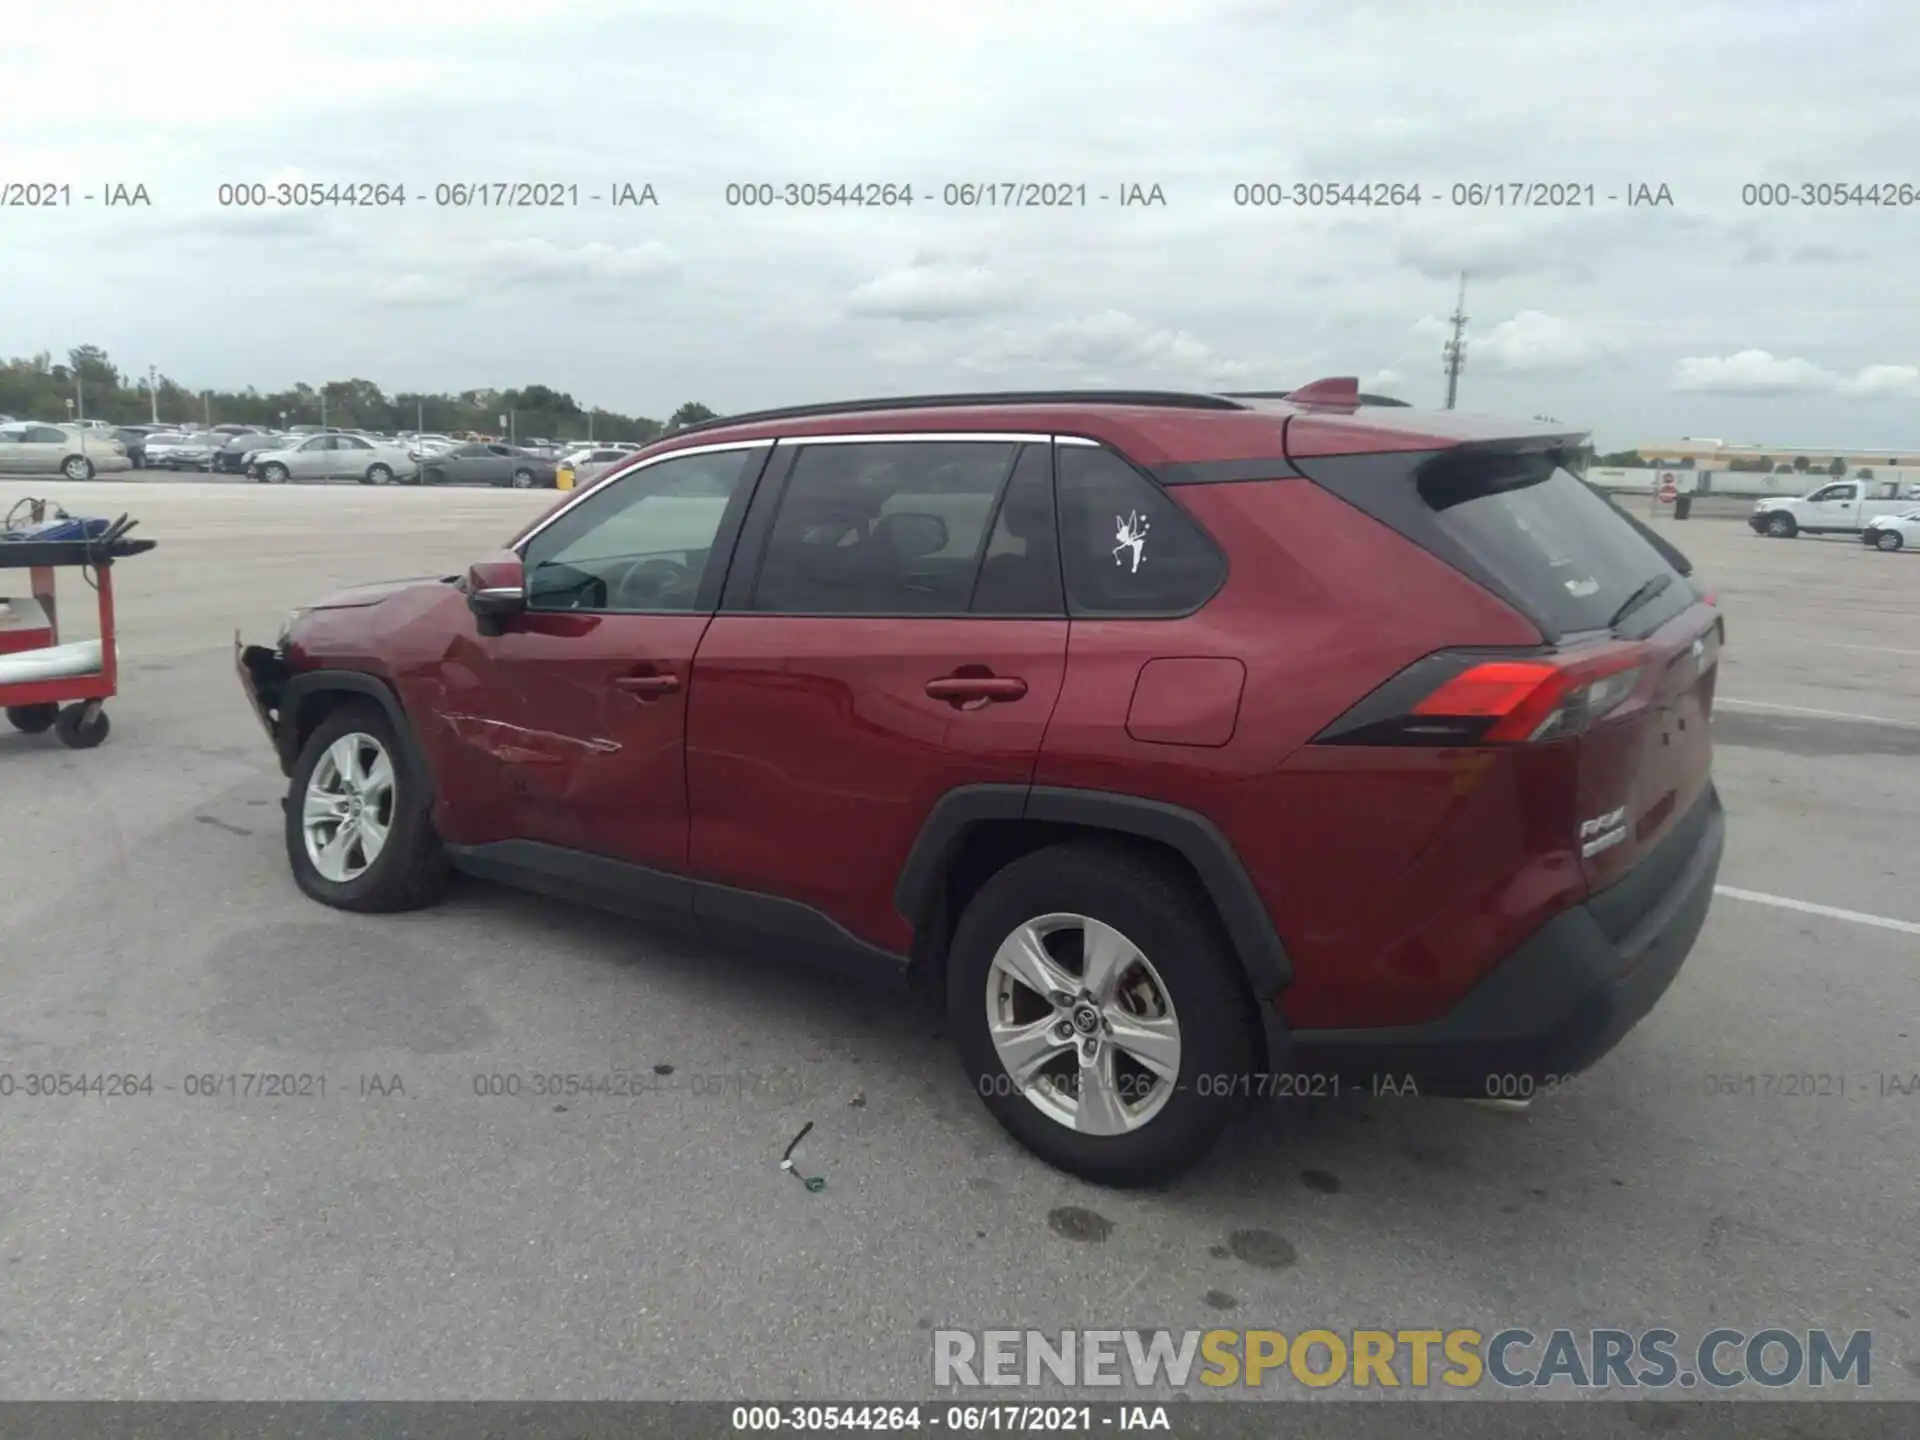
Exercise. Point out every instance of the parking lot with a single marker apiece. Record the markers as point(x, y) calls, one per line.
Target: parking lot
point(409, 1235)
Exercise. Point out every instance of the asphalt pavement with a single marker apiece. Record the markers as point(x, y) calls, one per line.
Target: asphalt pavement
point(411, 1234)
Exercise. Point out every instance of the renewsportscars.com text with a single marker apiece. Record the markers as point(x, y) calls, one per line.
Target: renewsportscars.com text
point(1513, 1358)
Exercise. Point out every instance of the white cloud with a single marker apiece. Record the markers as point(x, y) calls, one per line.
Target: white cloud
point(1534, 342)
point(1759, 372)
point(544, 261)
point(1894, 381)
point(932, 288)
point(1110, 347)
point(415, 288)
point(1383, 380)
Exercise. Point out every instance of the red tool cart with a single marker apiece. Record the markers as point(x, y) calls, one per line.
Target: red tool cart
point(45, 685)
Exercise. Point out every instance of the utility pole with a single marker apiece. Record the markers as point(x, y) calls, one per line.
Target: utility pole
point(1455, 351)
point(153, 390)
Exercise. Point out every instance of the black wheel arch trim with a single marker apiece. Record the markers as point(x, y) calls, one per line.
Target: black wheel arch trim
point(308, 683)
point(1256, 943)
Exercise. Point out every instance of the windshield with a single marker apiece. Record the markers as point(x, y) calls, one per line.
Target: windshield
point(1570, 556)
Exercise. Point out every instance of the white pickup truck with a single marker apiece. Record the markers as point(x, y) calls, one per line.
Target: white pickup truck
point(1843, 507)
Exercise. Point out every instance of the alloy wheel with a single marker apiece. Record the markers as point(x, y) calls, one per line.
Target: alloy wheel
point(347, 814)
point(1083, 1024)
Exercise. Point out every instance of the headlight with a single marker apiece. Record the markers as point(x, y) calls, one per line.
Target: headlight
point(286, 627)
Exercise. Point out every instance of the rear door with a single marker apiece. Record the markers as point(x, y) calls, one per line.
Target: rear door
point(1577, 567)
point(894, 629)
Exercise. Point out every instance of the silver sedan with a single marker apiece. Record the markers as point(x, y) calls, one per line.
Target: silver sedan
point(487, 464)
point(333, 457)
point(27, 448)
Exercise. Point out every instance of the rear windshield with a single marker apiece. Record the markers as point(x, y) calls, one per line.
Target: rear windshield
point(1564, 551)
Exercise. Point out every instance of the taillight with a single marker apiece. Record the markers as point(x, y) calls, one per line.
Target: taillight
point(1457, 698)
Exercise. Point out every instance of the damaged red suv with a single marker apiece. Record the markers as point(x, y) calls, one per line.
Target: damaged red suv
point(1177, 739)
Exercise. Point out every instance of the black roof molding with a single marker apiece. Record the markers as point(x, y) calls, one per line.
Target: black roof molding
point(1160, 399)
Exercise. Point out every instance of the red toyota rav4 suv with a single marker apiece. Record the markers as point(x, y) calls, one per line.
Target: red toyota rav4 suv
point(1180, 739)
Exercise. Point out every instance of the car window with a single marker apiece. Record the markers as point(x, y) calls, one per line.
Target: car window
point(640, 545)
point(46, 435)
point(465, 452)
point(502, 450)
point(351, 442)
point(882, 529)
point(1126, 548)
point(1021, 572)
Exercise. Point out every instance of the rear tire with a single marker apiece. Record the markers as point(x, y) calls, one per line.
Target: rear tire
point(1889, 540)
point(1782, 527)
point(1180, 1002)
point(377, 475)
point(77, 467)
point(523, 479)
point(355, 754)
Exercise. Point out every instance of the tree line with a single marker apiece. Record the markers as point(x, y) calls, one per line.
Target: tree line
point(1759, 464)
point(39, 388)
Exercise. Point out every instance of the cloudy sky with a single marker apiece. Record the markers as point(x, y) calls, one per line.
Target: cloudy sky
point(1792, 324)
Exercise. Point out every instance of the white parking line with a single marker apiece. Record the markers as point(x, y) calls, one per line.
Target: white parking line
point(1881, 649)
point(1733, 704)
point(1832, 912)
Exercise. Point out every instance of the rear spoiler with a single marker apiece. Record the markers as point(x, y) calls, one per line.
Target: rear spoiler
point(1339, 392)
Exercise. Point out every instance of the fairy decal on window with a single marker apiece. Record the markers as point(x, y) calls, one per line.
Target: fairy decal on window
point(1132, 535)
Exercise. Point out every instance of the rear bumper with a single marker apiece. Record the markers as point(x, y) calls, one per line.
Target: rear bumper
point(1562, 999)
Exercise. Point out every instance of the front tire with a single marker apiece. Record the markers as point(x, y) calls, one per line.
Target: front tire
point(1098, 1010)
point(273, 474)
point(82, 725)
point(1889, 540)
point(77, 467)
point(1782, 527)
point(359, 828)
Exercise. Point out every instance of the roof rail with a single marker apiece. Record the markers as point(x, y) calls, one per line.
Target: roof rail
point(1170, 399)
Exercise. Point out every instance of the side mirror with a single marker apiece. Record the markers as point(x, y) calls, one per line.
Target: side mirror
point(496, 591)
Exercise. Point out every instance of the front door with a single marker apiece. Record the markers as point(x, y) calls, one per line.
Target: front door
point(594, 679)
point(902, 635)
point(1835, 507)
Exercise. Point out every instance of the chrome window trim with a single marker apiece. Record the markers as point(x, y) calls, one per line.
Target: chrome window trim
point(601, 481)
point(865, 437)
point(921, 437)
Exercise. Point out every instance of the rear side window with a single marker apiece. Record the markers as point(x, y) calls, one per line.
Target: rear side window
point(1564, 552)
point(1126, 547)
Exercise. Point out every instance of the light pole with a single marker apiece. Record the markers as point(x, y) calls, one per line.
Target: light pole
point(153, 391)
point(80, 395)
point(283, 422)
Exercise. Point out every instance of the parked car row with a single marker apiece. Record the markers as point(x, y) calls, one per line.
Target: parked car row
point(80, 450)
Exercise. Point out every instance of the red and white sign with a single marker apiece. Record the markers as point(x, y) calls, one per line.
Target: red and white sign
point(1669, 488)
